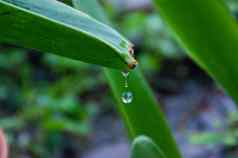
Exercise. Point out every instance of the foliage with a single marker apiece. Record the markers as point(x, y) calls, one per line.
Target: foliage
point(144, 104)
point(222, 136)
point(40, 104)
point(209, 35)
point(48, 103)
point(62, 30)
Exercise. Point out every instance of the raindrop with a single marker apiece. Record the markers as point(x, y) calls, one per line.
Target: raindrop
point(127, 97)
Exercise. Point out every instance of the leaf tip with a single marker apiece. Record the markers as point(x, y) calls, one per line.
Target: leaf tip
point(132, 62)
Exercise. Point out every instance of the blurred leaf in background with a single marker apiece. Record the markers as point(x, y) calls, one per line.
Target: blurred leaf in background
point(226, 136)
point(40, 99)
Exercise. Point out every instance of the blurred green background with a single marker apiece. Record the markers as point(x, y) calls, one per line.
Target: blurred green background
point(54, 107)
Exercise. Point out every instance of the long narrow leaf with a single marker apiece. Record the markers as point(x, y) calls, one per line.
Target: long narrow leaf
point(142, 116)
point(210, 35)
point(51, 26)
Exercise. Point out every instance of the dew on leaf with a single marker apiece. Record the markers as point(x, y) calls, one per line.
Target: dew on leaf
point(127, 97)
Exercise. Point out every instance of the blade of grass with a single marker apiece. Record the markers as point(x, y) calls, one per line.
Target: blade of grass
point(210, 35)
point(51, 26)
point(142, 116)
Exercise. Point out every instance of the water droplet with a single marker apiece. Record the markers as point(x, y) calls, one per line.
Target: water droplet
point(125, 74)
point(127, 97)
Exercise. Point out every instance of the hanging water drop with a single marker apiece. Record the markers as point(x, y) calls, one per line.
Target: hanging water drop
point(127, 97)
point(125, 74)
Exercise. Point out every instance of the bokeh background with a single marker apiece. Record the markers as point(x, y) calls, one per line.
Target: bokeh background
point(53, 107)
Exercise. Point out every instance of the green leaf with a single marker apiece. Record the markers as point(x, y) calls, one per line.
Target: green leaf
point(210, 35)
point(11, 122)
point(206, 138)
point(142, 116)
point(144, 147)
point(96, 12)
point(51, 26)
point(63, 124)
